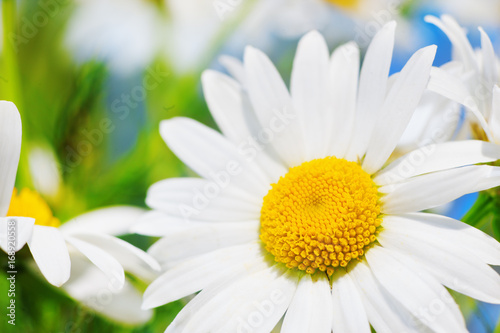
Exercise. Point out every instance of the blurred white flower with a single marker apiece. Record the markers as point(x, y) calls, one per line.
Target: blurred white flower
point(473, 12)
point(126, 34)
point(86, 248)
point(476, 88)
point(44, 171)
point(197, 25)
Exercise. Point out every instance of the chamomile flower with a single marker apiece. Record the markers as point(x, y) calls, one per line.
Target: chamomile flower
point(86, 248)
point(297, 214)
point(48, 239)
point(476, 86)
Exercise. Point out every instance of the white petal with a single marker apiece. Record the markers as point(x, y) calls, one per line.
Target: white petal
point(449, 262)
point(273, 106)
point(91, 288)
point(311, 309)
point(348, 311)
point(452, 231)
point(111, 220)
point(309, 89)
point(490, 68)
point(158, 224)
point(198, 239)
point(254, 303)
point(458, 38)
point(384, 312)
point(15, 232)
point(104, 261)
point(453, 88)
point(51, 255)
point(398, 108)
point(495, 114)
point(438, 157)
point(372, 89)
point(235, 67)
point(212, 156)
point(131, 258)
point(228, 105)
point(344, 73)
point(193, 275)
point(450, 86)
point(10, 149)
point(434, 189)
point(422, 295)
point(200, 199)
point(233, 113)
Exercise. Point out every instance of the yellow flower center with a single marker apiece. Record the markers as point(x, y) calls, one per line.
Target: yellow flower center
point(347, 4)
point(320, 215)
point(29, 203)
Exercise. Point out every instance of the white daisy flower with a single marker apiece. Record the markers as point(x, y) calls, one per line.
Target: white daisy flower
point(297, 216)
point(469, 12)
point(86, 248)
point(47, 239)
point(88, 236)
point(476, 87)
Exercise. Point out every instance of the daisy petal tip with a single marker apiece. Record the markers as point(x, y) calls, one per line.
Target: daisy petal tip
point(313, 36)
point(9, 106)
point(148, 303)
point(208, 75)
point(391, 25)
point(430, 51)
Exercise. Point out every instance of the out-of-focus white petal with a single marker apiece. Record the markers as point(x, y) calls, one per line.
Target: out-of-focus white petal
point(234, 67)
point(495, 114)
point(50, 253)
point(115, 221)
point(91, 288)
point(131, 258)
point(103, 260)
point(15, 232)
point(458, 38)
point(10, 150)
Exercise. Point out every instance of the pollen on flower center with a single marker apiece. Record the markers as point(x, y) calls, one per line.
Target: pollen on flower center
point(29, 203)
point(320, 215)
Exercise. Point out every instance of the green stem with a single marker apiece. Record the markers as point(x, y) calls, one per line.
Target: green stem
point(479, 210)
